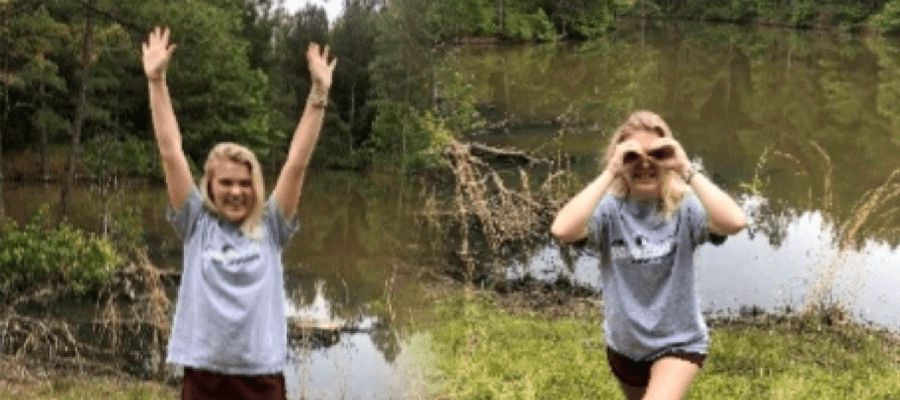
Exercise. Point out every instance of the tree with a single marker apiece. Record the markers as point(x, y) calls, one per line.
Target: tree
point(30, 81)
point(354, 42)
point(65, 197)
point(582, 18)
point(216, 94)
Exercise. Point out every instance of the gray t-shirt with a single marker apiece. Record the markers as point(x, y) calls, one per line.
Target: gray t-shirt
point(230, 314)
point(647, 274)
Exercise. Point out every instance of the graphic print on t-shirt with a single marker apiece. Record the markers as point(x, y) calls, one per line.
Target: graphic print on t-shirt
point(649, 259)
point(233, 266)
point(644, 251)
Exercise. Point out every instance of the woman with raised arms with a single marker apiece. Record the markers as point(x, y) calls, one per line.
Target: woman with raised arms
point(229, 331)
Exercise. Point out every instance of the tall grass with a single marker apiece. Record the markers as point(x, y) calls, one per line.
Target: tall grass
point(871, 215)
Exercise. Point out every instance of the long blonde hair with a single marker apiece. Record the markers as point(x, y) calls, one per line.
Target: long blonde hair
point(673, 189)
point(252, 225)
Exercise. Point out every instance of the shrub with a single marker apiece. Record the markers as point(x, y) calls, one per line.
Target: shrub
point(888, 20)
point(37, 254)
point(535, 26)
point(408, 139)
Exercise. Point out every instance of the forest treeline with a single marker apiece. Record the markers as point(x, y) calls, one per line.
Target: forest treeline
point(71, 80)
point(70, 71)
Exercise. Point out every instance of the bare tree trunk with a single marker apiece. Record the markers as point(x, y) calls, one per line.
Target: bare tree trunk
point(501, 14)
point(44, 174)
point(65, 198)
point(2, 209)
point(352, 115)
point(3, 114)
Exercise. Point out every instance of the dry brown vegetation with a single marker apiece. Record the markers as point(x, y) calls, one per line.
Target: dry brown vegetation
point(45, 331)
point(872, 215)
point(495, 208)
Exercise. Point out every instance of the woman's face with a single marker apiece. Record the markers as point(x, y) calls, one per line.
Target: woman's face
point(644, 176)
point(231, 189)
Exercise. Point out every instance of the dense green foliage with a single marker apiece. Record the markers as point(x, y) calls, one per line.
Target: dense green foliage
point(487, 352)
point(888, 19)
point(239, 73)
point(60, 254)
point(217, 95)
point(797, 13)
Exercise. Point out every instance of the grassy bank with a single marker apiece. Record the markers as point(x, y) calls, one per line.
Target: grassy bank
point(488, 349)
point(64, 388)
point(548, 345)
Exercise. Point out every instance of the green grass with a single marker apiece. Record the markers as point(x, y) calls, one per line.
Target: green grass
point(483, 350)
point(487, 352)
point(86, 388)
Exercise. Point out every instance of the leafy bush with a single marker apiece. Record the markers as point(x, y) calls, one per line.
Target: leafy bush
point(888, 20)
point(110, 157)
point(589, 19)
point(535, 26)
point(407, 138)
point(37, 254)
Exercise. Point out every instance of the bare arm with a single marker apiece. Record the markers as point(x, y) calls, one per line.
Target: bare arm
point(290, 181)
point(571, 223)
point(724, 216)
point(157, 52)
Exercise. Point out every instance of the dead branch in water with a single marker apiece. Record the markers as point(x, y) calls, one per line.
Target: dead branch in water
point(493, 215)
point(494, 153)
point(126, 334)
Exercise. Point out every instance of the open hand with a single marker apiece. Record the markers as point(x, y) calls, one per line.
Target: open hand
point(320, 69)
point(157, 53)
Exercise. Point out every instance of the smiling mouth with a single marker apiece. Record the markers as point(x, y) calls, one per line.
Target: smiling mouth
point(234, 201)
point(644, 174)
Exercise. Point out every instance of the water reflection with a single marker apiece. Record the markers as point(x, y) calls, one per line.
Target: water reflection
point(349, 370)
point(336, 358)
point(801, 125)
point(748, 271)
point(355, 230)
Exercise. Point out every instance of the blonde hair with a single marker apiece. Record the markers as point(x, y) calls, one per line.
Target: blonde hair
point(646, 121)
point(252, 225)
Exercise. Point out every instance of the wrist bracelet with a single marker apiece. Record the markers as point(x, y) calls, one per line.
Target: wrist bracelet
point(690, 175)
point(696, 166)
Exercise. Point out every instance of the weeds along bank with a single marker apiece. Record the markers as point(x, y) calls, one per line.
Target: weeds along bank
point(539, 341)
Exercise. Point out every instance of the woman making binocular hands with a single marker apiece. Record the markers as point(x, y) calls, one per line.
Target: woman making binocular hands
point(646, 213)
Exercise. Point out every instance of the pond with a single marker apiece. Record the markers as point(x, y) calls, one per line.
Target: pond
point(798, 126)
point(802, 128)
point(354, 252)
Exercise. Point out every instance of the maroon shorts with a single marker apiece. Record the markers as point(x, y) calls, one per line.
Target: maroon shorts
point(637, 373)
point(206, 385)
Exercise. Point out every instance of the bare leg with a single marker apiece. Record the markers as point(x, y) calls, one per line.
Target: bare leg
point(670, 378)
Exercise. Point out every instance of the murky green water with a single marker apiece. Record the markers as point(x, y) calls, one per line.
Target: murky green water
point(359, 246)
point(798, 126)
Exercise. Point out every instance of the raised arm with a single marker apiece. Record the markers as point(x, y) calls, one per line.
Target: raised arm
point(571, 223)
point(157, 52)
point(290, 181)
point(724, 215)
